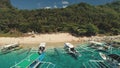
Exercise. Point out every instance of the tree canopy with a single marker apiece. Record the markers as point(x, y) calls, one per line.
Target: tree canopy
point(78, 19)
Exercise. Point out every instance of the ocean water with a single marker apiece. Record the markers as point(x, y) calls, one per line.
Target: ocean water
point(9, 59)
point(58, 58)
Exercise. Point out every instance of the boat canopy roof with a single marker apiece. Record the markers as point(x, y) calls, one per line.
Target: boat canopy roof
point(10, 45)
point(97, 43)
point(69, 45)
point(115, 57)
point(42, 45)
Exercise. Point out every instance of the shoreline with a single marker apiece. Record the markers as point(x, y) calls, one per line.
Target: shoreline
point(54, 39)
point(49, 45)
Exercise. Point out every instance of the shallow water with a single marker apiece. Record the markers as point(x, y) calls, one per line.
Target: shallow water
point(9, 59)
point(58, 58)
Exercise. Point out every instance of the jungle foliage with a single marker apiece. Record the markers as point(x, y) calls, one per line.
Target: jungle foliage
point(78, 19)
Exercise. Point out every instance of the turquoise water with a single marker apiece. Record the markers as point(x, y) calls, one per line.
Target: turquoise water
point(9, 59)
point(58, 58)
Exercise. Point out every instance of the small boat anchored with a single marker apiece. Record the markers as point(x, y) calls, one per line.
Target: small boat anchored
point(10, 47)
point(98, 45)
point(41, 48)
point(69, 48)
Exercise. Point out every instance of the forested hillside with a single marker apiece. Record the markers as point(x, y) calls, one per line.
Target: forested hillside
point(78, 19)
point(4, 4)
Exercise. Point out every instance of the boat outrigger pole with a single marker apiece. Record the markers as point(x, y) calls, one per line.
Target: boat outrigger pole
point(33, 60)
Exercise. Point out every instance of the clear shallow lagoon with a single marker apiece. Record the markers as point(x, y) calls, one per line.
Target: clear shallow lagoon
point(58, 58)
point(9, 59)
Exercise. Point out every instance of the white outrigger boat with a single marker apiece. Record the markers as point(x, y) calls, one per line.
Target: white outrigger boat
point(69, 48)
point(10, 47)
point(111, 58)
point(41, 48)
point(98, 45)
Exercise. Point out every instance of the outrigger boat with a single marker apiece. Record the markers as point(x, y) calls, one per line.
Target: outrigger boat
point(41, 48)
point(37, 62)
point(10, 47)
point(98, 45)
point(69, 48)
point(33, 60)
point(111, 58)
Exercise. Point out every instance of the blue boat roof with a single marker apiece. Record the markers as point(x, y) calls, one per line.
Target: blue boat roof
point(41, 57)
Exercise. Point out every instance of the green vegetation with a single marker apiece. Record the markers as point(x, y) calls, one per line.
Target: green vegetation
point(78, 19)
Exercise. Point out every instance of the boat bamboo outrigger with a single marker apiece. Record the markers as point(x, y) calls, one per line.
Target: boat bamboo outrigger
point(112, 58)
point(33, 60)
point(69, 48)
point(37, 62)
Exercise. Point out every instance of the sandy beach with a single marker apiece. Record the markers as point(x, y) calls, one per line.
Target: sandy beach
point(53, 38)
